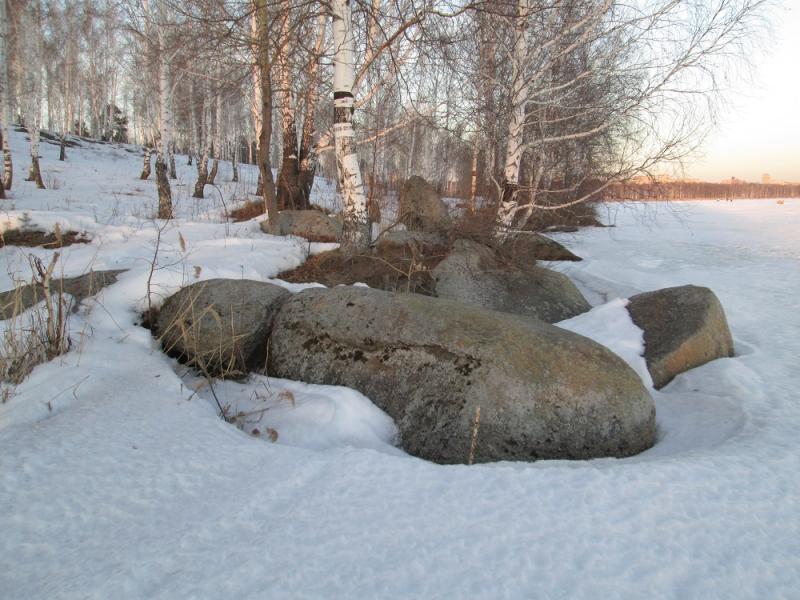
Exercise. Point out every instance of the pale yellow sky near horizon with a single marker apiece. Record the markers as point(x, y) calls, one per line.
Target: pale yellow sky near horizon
point(759, 132)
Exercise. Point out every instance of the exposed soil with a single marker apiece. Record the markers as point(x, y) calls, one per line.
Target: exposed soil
point(394, 268)
point(45, 239)
point(247, 211)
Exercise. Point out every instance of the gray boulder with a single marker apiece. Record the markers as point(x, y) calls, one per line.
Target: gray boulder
point(220, 326)
point(313, 225)
point(684, 327)
point(27, 296)
point(472, 273)
point(421, 209)
point(543, 392)
point(407, 238)
point(528, 247)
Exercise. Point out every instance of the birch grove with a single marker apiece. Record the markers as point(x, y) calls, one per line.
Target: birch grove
point(522, 108)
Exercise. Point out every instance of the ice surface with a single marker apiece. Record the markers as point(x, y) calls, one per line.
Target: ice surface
point(118, 479)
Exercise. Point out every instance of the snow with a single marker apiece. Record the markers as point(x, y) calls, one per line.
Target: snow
point(118, 478)
point(610, 324)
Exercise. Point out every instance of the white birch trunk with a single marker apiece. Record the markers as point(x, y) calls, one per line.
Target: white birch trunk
point(473, 186)
point(34, 104)
point(5, 93)
point(255, 107)
point(217, 147)
point(202, 157)
point(164, 121)
point(192, 122)
point(519, 99)
point(356, 233)
point(412, 149)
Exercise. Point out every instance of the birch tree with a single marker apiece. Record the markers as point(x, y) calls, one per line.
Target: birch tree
point(262, 74)
point(33, 104)
point(600, 91)
point(204, 137)
point(217, 141)
point(5, 100)
point(356, 233)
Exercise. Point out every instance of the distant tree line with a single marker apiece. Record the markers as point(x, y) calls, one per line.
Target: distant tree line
point(701, 190)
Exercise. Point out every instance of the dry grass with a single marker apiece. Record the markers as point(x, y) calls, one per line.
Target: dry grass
point(247, 211)
point(186, 335)
point(401, 268)
point(32, 337)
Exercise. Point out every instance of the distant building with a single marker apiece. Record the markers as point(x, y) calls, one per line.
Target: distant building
point(766, 178)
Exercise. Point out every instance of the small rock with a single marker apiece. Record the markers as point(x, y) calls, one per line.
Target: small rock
point(404, 238)
point(313, 225)
point(421, 209)
point(684, 327)
point(529, 247)
point(472, 273)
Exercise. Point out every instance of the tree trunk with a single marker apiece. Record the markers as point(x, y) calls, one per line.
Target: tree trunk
point(289, 195)
point(356, 229)
point(146, 165)
point(411, 151)
point(473, 187)
point(8, 170)
point(265, 116)
point(202, 158)
point(5, 93)
point(172, 172)
point(507, 208)
point(212, 175)
point(2, 189)
point(165, 123)
point(34, 103)
point(35, 173)
point(164, 191)
point(234, 165)
point(217, 129)
point(62, 155)
point(192, 122)
point(308, 158)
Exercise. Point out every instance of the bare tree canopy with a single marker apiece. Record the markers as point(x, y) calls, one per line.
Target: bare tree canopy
point(525, 105)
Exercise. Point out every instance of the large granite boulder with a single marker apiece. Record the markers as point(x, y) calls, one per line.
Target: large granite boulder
point(543, 392)
point(472, 273)
point(421, 209)
point(527, 247)
point(220, 326)
point(684, 327)
point(314, 225)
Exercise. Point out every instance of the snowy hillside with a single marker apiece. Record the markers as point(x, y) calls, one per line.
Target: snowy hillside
point(118, 479)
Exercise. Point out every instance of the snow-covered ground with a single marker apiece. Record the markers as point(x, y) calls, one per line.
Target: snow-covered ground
point(118, 479)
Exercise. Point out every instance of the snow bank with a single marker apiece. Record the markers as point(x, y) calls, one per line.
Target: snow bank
point(118, 479)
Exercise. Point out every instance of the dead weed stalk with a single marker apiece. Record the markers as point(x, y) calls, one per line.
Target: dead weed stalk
point(32, 337)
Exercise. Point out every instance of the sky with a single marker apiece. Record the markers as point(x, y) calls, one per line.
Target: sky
point(759, 131)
